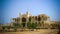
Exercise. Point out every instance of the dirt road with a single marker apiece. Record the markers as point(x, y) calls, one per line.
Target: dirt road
point(41, 31)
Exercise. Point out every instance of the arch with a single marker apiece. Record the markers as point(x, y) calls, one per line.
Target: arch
point(36, 18)
point(30, 19)
point(23, 19)
point(39, 18)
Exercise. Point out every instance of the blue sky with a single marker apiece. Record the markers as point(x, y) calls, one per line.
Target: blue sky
point(11, 8)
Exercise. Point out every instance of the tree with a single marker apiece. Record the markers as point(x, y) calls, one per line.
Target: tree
point(31, 25)
point(15, 26)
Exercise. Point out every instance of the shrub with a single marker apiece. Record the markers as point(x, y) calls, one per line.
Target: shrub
point(31, 25)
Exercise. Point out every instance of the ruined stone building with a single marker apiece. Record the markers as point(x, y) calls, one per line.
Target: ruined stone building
point(25, 18)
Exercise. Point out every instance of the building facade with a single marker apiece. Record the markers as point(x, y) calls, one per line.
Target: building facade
point(25, 18)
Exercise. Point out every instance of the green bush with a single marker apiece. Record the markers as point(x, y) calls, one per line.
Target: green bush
point(31, 25)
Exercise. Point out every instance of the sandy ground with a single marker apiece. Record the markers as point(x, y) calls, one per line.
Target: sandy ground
point(41, 31)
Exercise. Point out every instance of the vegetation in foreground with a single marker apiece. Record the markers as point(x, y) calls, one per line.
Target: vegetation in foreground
point(30, 27)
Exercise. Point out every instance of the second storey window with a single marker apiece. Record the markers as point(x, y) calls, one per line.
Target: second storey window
point(36, 18)
point(39, 18)
point(29, 18)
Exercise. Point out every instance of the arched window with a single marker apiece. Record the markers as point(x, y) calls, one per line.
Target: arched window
point(30, 19)
point(23, 19)
point(39, 18)
point(36, 23)
point(36, 18)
